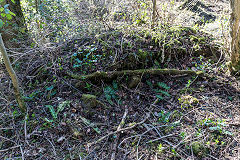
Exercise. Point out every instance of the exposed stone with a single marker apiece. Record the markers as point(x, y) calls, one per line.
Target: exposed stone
point(89, 101)
point(134, 81)
point(199, 149)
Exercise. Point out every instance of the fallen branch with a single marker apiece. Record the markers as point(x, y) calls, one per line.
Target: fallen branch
point(120, 130)
point(5, 150)
point(114, 74)
point(113, 157)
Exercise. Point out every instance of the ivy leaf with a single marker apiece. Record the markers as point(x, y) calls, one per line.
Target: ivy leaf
point(3, 14)
point(49, 88)
point(9, 17)
point(1, 9)
point(115, 86)
point(159, 97)
point(13, 1)
point(6, 5)
point(228, 133)
point(13, 14)
point(1, 23)
point(52, 111)
point(217, 128)
point(7, 11)
point(78, 60)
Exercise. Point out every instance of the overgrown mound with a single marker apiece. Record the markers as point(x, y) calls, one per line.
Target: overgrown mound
point(163, 47)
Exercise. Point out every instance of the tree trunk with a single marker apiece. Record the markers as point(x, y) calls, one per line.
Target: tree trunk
point(235, 34)
point(13, 76)
point(16, 27)
point(154, 13)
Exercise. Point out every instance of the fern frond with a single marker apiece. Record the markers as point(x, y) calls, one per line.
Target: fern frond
point(163, 85)
point(165, 93)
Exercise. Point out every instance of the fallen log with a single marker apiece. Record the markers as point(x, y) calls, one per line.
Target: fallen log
point(114, 74)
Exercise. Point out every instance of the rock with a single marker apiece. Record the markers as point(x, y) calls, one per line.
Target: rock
point(76, 133)
point(199, 149)
point(89, 101)
point(134, 82)
point(188, 101)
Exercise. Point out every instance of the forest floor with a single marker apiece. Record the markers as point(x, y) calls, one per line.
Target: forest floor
point(139, 102)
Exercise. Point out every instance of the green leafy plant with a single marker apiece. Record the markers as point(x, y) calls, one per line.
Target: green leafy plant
point(110, 92)
point(187, 101)
point(60, 108)
point(94, 127)
point(85, 57)
point(202, 64)
point(216, 125)
point(88, 86)
point(182, 135)
point(33, 95)
point(50, 91)
point(164, 117)
point(160, 148)
point(141, 16)
point(6, 14)
point(163, 85)
point(162, 91)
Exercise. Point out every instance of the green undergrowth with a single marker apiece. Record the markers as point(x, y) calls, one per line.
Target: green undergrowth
point(143, 48)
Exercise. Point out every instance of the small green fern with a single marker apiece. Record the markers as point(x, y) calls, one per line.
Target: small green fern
point(162, 91)
point(111, 92)
point(163, 85)
point(60, 108)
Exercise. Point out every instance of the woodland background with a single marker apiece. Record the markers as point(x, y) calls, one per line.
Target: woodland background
point(119, 79)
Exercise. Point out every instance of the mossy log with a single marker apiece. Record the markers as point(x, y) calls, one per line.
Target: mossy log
point(114, 74)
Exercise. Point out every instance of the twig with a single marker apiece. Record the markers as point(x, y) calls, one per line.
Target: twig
point(5, 128)
point(123, 129)
point(140, 135)
point(54, 150)
point(212, 157)
point(169, 135)
point(118, 135)
point(22, 152)
point(1, 137)
point(25, 128)
point(4, 150)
